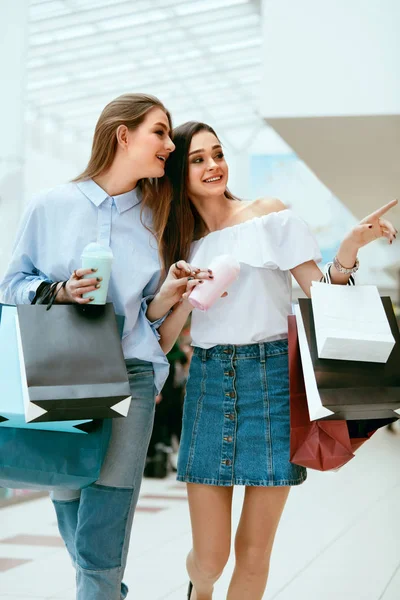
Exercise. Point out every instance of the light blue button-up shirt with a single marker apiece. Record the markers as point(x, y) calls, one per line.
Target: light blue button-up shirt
point(55, 228)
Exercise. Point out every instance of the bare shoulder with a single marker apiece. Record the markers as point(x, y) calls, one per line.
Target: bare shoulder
point(265, 206)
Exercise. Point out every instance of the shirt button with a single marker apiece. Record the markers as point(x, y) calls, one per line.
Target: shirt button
point(231, 417)
point(229, 373)
point(228, 438)
point(227, 351)
point(228, 462)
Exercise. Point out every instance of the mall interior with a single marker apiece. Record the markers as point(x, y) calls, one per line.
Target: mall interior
point(305, 98)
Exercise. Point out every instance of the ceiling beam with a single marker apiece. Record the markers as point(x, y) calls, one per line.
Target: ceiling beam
point(111, 51)
point(144, 29)
point(152, 76)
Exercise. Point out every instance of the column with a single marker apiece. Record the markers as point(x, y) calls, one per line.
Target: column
point(13, 57)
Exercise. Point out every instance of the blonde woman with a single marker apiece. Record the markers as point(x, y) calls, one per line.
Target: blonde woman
point(120, 196)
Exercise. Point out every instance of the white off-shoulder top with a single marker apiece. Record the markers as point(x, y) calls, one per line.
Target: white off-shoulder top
point(259, 301)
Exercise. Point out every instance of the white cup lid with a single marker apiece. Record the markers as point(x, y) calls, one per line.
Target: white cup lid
point(95, 249)
point(226, 260)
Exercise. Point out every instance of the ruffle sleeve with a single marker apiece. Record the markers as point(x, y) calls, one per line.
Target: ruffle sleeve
point(279, 240)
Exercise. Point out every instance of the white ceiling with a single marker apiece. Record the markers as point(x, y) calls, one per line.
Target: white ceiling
point(202, 58)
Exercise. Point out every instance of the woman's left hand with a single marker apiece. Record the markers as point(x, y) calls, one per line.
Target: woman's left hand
point(374, 226)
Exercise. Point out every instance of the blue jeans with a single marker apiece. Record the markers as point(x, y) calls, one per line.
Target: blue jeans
point(95, 523)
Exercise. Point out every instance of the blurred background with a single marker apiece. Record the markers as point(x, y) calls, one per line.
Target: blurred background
point(305, 97)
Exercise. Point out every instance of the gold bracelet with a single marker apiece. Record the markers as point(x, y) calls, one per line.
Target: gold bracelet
point(343, 269)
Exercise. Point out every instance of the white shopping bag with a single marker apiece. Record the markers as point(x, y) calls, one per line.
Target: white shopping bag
point(350, 323)
point(347, 390)
point(316, 409)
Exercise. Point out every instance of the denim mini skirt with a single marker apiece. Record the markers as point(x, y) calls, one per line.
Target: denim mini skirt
point(236, 418)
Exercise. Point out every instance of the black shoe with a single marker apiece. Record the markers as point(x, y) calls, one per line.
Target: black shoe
point(157, 465)
point(190, 588)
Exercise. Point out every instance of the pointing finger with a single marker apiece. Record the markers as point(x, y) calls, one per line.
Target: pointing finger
point(384, 209)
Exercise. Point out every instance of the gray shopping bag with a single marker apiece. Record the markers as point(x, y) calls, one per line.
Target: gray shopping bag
point(73, 365)
point(12, 413)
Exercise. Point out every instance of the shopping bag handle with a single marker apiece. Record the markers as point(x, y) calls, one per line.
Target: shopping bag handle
point(49, 294)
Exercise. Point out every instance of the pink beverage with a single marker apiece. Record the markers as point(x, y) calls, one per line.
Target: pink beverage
point(226, 270)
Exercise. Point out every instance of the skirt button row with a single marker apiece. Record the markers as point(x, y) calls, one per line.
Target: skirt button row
point(230, 416)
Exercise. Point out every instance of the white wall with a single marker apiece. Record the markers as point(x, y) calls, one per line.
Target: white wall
point(330, 58)
point(46, 165)
point(13, 44)
point(43, 171)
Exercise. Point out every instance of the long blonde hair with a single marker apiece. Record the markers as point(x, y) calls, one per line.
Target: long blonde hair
point(129, 110)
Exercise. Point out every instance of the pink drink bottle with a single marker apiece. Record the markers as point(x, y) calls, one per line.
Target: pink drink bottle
point(226, 270)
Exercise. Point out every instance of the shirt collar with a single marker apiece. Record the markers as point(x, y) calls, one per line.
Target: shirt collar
point(125, 201)
point(97, 195)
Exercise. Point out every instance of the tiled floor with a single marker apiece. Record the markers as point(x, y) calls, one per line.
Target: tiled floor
point(339, 539)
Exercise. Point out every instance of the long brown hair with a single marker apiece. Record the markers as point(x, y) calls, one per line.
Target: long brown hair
point(129, 110)
point(184, 222)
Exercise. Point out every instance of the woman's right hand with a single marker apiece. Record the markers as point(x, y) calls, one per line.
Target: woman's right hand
point(181, 277)
point(76, 286)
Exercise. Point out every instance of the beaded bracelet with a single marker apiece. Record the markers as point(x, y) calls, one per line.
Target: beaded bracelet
point(343, 269)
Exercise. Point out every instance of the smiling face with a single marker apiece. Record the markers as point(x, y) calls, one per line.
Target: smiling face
point(207, 169)
point(149, 145)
